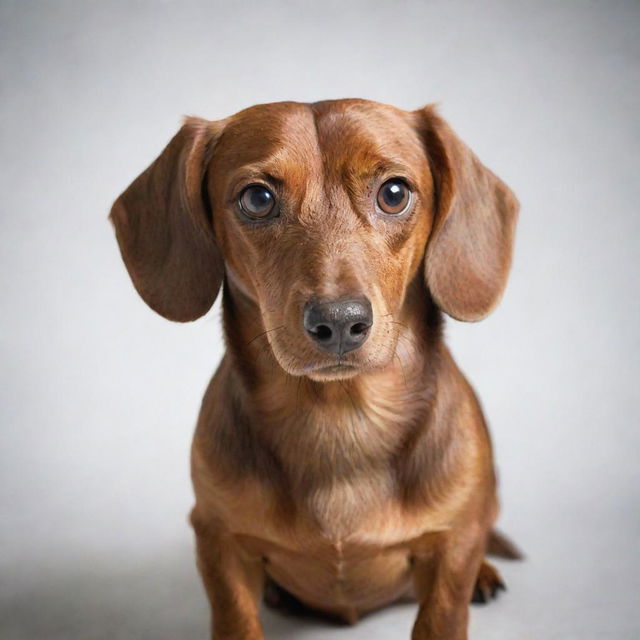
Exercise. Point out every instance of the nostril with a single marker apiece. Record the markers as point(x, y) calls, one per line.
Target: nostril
point(322, 332)
point(358, 329)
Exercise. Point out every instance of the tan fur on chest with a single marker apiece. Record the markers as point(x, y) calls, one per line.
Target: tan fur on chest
point(353, 503)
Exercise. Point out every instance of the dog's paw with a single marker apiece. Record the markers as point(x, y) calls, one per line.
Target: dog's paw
point(488, 583)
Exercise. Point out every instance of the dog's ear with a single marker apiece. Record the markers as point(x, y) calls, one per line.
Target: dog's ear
point(468, 253)
point(164, 227)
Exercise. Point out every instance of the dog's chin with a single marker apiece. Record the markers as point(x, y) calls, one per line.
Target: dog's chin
point(334, 372)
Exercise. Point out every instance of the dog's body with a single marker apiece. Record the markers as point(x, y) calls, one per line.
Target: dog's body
point(363, 476)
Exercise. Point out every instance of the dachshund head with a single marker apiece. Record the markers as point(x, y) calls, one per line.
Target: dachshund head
point(322, 216)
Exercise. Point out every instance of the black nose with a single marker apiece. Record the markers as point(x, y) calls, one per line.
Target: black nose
point(340, 326)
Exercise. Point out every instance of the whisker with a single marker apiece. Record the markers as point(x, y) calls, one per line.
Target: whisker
point(400, 335)
point(264, 333)
point(404, 375)
point(400, 323)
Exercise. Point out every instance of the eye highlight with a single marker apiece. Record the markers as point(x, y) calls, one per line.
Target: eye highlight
point(394, 196)
point(257, 202)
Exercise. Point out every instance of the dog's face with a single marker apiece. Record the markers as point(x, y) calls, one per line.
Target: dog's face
point(322, 215)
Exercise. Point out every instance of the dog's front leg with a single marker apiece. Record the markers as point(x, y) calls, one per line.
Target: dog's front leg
point(233, 582)
point(444, 578)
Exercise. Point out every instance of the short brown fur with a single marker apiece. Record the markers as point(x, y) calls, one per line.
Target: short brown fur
point(351, 482)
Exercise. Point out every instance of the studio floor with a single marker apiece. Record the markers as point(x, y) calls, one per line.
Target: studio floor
point(571, 586)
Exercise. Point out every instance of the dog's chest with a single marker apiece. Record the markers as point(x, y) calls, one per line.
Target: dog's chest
point(363, 512)
point(337, 483)
point(350, 547)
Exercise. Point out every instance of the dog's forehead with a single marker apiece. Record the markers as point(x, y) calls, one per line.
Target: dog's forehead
point(288, 139)
point(348, 127)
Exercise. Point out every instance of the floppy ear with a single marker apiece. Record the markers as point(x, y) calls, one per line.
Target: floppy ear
point(165, 232)
point(468, 254)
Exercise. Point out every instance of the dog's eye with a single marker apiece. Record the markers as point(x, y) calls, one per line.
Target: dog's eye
point(394, 196)
point(257, 201)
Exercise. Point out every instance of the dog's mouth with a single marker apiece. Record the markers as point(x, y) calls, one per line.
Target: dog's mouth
point(335, 371)
point(341, 366)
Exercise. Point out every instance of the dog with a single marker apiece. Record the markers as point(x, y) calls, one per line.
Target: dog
point(341, 460)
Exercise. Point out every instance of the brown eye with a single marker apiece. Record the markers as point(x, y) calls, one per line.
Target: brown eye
point(257, 201)
point(394, 196)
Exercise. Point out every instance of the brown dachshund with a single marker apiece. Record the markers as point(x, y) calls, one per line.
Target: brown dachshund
point(340, 456)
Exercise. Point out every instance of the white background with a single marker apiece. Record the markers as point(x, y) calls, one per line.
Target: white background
point(99, 395)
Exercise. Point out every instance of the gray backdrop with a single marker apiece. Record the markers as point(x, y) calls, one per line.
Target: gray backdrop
point(99, 395)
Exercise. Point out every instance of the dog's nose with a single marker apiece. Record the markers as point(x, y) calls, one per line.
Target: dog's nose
point(339, 326)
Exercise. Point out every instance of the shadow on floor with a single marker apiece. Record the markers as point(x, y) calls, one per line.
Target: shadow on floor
point(121, 599)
